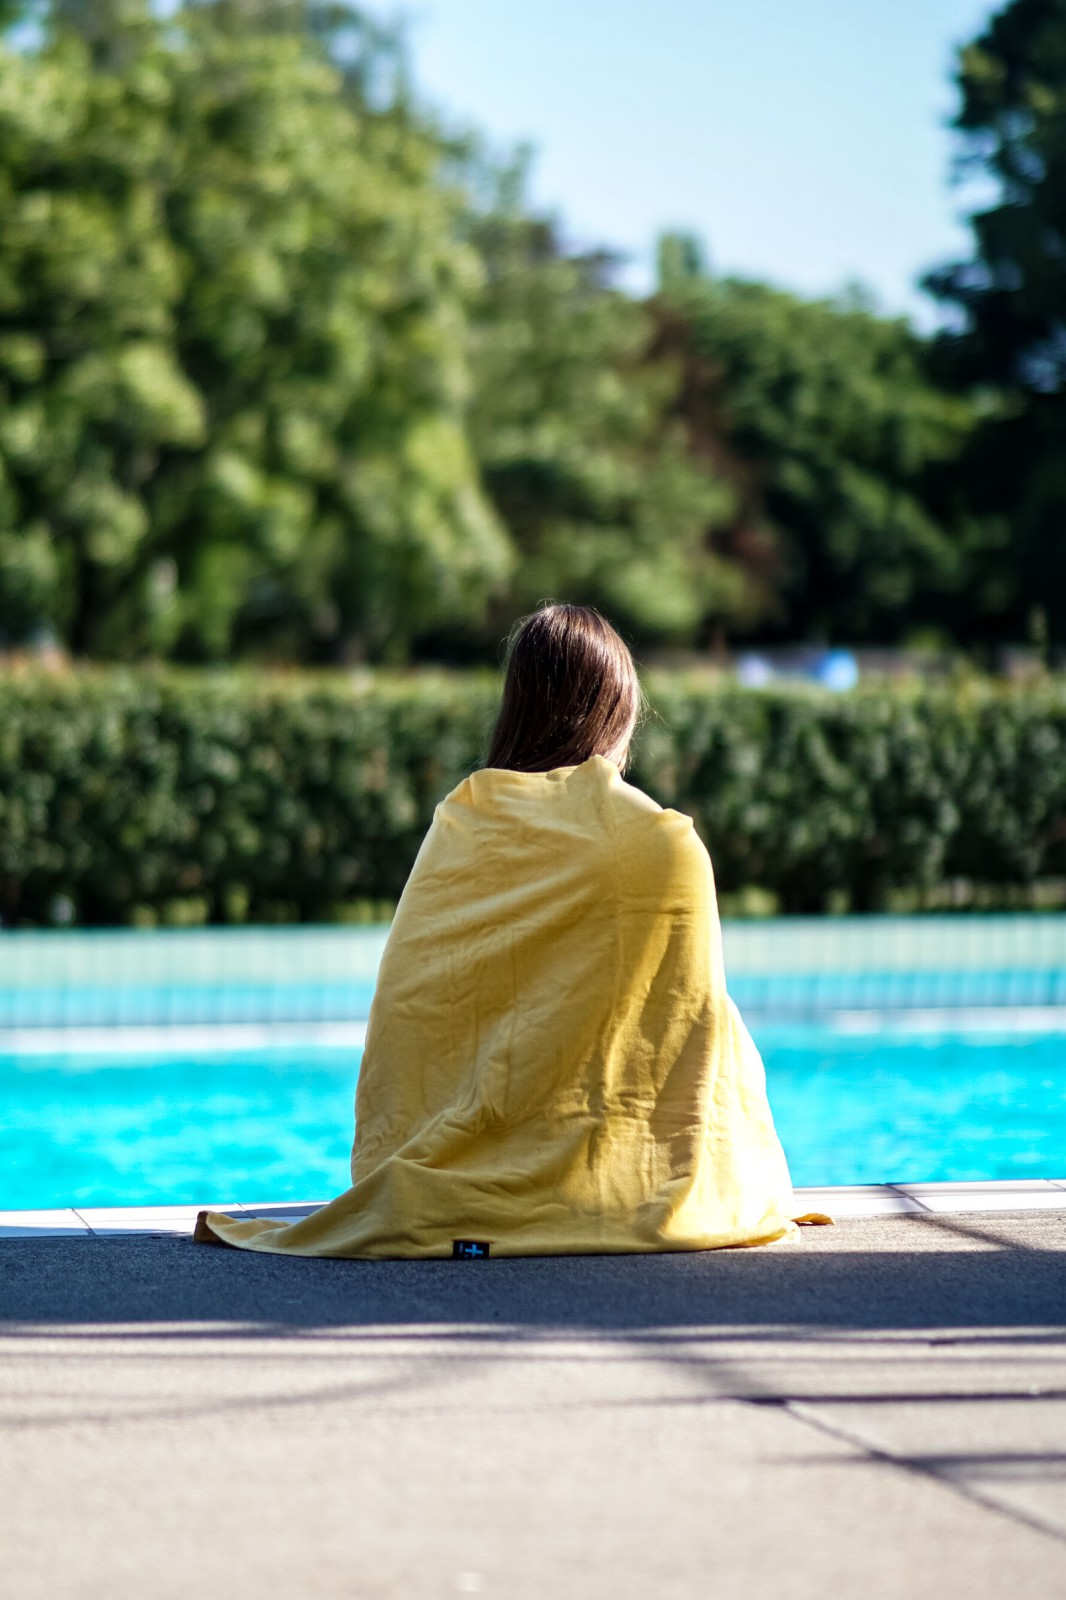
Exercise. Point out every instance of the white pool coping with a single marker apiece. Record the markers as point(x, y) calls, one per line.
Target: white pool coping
point(844, 1200)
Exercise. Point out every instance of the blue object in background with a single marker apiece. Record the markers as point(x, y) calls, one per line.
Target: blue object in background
point(837, 670)
point(754, 672)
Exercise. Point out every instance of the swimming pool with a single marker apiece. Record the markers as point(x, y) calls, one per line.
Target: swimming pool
point(275, 1123)
point(222, 1066)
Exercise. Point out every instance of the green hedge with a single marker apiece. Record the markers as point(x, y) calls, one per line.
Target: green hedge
point(886, 798)
point(169, 797)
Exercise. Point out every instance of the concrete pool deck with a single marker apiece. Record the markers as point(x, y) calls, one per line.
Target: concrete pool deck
point(877, 1411)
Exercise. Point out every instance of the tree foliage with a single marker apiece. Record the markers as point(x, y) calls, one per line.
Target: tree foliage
point(286, 370)
point(582, 448)
point(1011, 296)
point(232, 349)
point(841, 444)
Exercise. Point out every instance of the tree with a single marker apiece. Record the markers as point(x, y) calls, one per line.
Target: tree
point(233, 381)
point(572, 424)
point(286, 370)
point(1009, 346)
point(840, 445)
point(91, 390)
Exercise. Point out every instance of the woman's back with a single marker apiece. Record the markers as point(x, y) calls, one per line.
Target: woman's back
point(552, 1064)
point(532, 967)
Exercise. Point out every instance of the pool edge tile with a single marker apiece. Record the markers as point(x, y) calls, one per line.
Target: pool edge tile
point(978, 1186)
point(842, 1200)
point(48, 1222)
point(989, 1199)
point(161, 1221)
point(860, 1200)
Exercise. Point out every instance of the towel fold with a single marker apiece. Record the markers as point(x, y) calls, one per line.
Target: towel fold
point(552, 1062)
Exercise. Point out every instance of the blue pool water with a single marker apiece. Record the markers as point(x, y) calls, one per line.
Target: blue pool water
point(275, 1123)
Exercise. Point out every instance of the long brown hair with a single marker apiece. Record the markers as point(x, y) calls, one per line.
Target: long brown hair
point(570, 692)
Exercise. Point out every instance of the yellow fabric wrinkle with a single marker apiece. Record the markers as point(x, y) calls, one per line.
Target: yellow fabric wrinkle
point(552, 1062)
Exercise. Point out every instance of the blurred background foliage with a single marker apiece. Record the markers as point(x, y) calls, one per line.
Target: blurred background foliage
point(289, 372)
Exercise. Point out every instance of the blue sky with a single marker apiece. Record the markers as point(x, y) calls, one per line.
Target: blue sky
point(804, 140)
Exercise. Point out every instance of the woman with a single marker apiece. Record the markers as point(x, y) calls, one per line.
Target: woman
point(552, 1063)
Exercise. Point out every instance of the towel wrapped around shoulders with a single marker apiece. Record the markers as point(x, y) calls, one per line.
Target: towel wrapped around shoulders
point(552, 1062)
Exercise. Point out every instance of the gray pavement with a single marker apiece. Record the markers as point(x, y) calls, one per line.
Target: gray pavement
point(878, 1411)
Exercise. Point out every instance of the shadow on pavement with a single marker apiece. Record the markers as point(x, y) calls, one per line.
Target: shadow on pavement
point(896, 1273)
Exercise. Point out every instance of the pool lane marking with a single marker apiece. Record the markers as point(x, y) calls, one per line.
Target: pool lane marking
point(209, 1037)
point(947, 1019)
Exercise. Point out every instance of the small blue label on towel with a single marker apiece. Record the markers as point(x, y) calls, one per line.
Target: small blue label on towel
point(469, 1250)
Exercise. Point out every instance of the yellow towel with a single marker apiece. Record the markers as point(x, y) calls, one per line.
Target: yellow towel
point(552, 1063)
